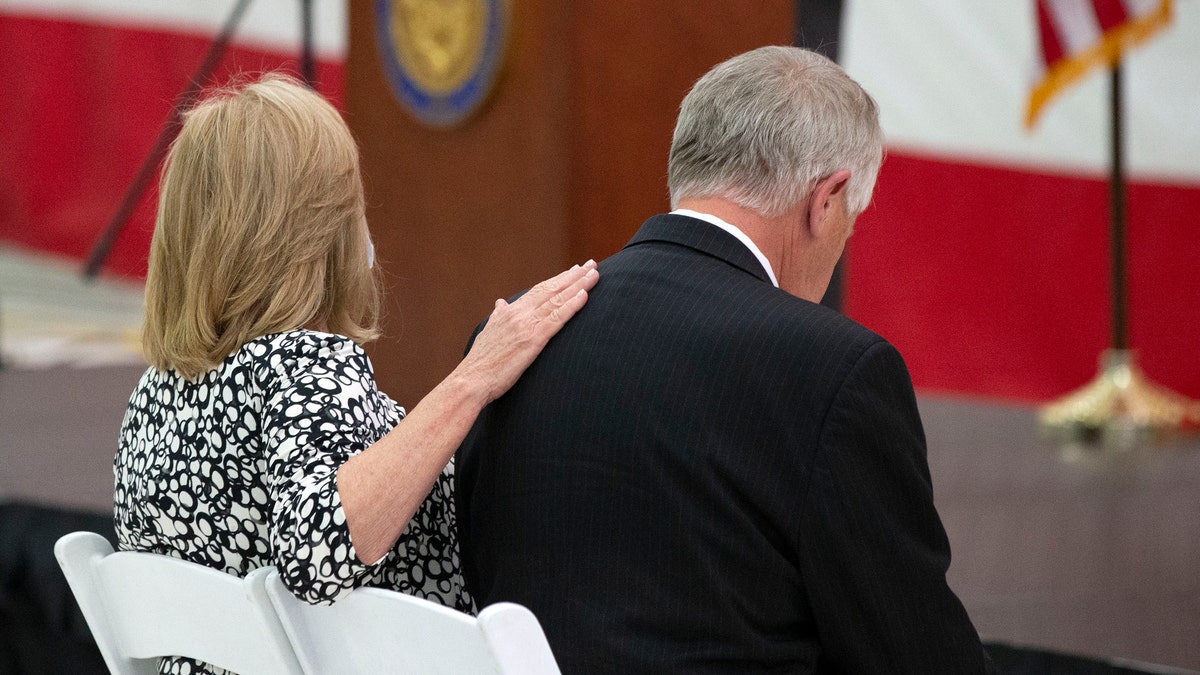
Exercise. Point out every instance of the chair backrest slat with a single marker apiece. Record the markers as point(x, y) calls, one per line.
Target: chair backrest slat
point(516, 639)
point(373, 630)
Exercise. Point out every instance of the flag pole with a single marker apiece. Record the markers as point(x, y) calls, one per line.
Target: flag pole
point(1116, 201)
point(1121, 408)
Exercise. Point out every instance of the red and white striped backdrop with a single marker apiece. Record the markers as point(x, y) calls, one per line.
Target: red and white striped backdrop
point(985, 255)
point(87, 86)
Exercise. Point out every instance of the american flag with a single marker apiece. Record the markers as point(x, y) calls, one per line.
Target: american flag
point(1077, 35)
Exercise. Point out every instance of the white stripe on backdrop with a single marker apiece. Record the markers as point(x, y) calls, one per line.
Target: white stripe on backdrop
point(268, 24)
point(952, 79)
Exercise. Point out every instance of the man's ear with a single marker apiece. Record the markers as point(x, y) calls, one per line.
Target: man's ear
point(827, 190)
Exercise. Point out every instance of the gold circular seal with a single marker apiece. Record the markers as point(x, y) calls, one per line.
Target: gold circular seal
point(441, 57)
point(440, 43)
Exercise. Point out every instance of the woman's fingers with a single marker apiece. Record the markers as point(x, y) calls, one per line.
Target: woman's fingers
point(558, 283)
point(516, 332)
point(558, 299)
point(563, 305)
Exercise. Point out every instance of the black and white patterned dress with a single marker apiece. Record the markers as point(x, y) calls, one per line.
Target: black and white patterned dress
point(236, 470)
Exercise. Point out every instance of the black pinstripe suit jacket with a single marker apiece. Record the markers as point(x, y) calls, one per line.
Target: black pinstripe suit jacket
point(703, 473)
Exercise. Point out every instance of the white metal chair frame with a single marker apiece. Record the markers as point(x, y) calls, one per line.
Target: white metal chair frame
point(142, 606)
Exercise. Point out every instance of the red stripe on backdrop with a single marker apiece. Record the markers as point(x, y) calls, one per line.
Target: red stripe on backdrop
point(994, 281)
point(1052, 49)
point(82, 106)
point(1110, 13)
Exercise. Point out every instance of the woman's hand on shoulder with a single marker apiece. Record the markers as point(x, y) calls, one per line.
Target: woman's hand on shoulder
point(516, 332)
point(381, 487)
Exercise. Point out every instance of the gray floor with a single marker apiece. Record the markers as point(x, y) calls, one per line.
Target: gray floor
point(68, 360)
point(1096, 554)
point(58, 433)
point(1091, 554)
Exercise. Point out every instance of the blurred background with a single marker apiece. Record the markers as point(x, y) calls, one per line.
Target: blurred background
point(984, 258)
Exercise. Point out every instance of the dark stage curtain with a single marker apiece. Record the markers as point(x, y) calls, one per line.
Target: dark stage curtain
point(41, 628)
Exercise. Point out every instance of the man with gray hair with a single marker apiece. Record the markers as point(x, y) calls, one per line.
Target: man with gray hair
point(707, 471)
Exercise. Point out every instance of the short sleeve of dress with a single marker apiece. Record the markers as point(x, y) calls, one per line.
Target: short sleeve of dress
point(321, 408)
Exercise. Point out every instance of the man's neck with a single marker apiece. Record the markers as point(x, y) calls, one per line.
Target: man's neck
point(764, 232)
point(737, 234)
point(783, 240)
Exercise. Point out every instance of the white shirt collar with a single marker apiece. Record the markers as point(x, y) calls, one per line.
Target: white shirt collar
point(738, 234)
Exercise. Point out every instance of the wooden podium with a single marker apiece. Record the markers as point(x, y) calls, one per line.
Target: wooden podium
point(562, 162)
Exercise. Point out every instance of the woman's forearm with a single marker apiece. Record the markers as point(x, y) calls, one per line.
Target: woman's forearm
point(382, 487)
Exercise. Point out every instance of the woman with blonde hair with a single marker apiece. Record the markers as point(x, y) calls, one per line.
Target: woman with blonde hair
point(258, 436)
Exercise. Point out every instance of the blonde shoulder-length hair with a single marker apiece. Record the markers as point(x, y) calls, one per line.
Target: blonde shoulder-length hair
point(260, 228)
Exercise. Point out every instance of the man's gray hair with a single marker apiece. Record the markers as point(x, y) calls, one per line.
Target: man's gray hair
point(763, 127)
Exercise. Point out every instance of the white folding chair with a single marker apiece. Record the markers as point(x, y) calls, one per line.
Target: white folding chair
point(373, 630)
point(141, 606)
